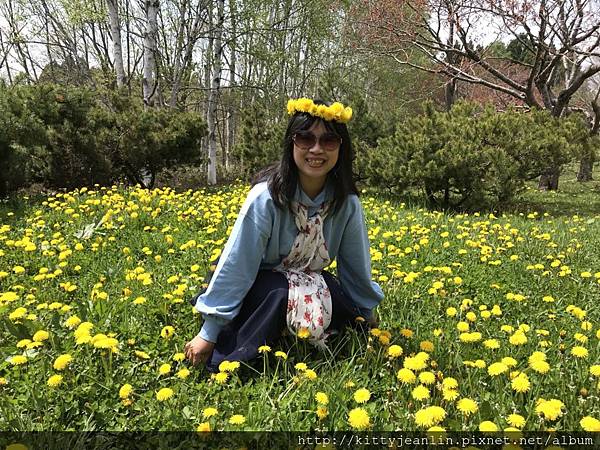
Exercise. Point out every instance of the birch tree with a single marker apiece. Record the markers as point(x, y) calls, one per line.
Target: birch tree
point(149, 79)
point(115, 32)
point(214, 94)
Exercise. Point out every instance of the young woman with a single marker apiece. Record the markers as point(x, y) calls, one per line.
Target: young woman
point(301, 215)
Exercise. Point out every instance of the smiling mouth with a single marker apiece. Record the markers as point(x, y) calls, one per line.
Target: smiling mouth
point(315, 162)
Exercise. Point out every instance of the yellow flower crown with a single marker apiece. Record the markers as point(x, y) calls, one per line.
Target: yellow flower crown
point(336, 111)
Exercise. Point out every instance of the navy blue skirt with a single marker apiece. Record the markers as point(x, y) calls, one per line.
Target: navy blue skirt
point(262, 318)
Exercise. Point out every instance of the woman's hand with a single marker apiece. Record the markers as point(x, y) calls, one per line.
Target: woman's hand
point(198, 350)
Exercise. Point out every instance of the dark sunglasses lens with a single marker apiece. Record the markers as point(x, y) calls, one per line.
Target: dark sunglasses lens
point(330, 141)
point(305, 140)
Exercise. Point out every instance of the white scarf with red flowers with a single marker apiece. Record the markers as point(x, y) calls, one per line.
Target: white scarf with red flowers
point(309, 299)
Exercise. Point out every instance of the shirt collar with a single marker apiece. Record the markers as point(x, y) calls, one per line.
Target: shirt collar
point(323, 196)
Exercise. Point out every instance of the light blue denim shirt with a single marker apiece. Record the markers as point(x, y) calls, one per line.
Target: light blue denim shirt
point(263, 235)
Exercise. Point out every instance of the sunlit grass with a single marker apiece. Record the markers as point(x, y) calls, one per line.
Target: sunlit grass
point(464, 292)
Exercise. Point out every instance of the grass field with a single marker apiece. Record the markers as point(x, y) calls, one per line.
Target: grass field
point(489, 321)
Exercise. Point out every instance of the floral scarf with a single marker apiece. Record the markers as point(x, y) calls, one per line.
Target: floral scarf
point(309, 300)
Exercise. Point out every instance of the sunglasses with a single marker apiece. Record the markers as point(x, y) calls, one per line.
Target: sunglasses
point(307, 140)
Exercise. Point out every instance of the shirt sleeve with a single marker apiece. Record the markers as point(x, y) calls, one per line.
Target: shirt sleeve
point(237, 268)
point(354, 262)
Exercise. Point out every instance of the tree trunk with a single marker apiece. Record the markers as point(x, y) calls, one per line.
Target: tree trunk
point(214, 94)
point(115, 34)
point(4, 59)
point(549, 179)
point(451, 92)
point(586, 165)
point(208, 64)
point(232, 70)
point(585, 168)
point(128, 44)
point(149, 81)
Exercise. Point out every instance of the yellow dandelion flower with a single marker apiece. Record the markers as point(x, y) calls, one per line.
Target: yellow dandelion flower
point(518, 338)
point(579, 352)
point(462, 326)
point(414, 363)
point(183, 373)
point(406, 332)
point(467, 406)
point(23, 343)
point(427, 346)
point(516, 420)
point(167, 332)
point(55, 380)
point(520, 383)
point(394, 351)
point(427, 377)
point(491, 344)
point(449, 394)
point(450, 383)
point(359, 419)
point(125, 391)
point(209, 412)
point(322, 398)
point(362, 395)
point(221, 377)
point(375, 332)
point(203, 427)
point(178, 357)
point(383, 339)
point(509, 361)
point(539, 366)
point(322, 412)
point(406, 376)
point(237, 419)
point(420, 393)
point(40, 336)
point(142, 355)
point(301, 366)
point(17, 314)
point(282, 355)
point(229, 366)
point(18, 360)
point(488, 426)
point(310, 374)
point(551, 409)
point(429, 416)
point(303, 333)
point(497, 368)
point(590, 424)
point(164, 394)
point(62, 361)
point(264, 349)
point(72, 322)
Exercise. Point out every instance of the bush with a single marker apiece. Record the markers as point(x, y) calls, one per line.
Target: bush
point(65, 137)
point(22, 139)
point(472, 156)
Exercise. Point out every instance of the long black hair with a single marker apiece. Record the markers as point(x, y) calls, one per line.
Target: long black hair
point(282, 177)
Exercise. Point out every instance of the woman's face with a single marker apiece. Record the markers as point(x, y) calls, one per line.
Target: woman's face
point(314, 163)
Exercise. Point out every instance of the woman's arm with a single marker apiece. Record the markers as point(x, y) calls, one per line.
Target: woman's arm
point(354, 262)
point(238, 265)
